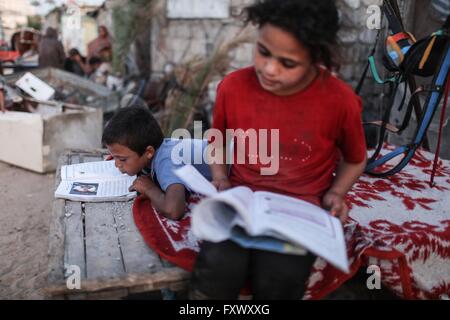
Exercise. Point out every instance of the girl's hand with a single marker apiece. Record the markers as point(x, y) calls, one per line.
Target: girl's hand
point(335, 203)
point(221, 183)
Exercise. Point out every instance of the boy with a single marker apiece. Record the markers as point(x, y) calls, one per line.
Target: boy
point(137, 145)
point(291, 88)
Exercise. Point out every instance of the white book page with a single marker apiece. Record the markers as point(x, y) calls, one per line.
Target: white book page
point(195, 180)
point(214, 217)
point(90, 189)
point(89, 170)
point(115, 188)
point(241, 199)
point(301, 223)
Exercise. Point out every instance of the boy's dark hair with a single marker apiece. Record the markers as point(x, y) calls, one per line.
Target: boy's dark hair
point(135, 128)
point(314, 23)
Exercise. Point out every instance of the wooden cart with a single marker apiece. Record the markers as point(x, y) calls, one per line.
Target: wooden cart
point(101, 241)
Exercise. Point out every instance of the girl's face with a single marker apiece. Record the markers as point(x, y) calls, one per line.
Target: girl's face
point(283, 65)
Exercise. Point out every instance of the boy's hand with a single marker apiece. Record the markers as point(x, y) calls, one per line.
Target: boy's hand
point(221, 183)
point(335, 203)
point(142, 184)
point(108, 157)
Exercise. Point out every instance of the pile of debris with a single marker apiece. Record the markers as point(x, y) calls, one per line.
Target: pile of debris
point(63, 87)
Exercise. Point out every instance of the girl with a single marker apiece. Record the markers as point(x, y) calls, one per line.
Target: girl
point(322, 149)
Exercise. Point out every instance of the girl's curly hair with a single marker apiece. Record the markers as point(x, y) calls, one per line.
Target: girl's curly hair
point(314, 23)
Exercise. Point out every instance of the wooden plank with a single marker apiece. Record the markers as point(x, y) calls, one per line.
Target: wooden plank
point(170, 278)
point(89, 152)
point(55, 268)
point(103, 256)
point(74, 253)
point(138, 257)
point(92, 158)
point(74, 158)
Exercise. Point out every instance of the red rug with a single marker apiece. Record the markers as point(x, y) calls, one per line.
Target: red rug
point(172, 240)
point(399, 224)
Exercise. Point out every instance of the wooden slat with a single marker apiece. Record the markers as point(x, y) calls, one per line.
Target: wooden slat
point(103, 256)
point(172, 278)
point(74, 158)
point(55, 269)
point(92, 158)
point(138, 257)
point(74, 253)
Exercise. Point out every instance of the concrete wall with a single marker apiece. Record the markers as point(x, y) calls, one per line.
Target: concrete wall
point(176, 40)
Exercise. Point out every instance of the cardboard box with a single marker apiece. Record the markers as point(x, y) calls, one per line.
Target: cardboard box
point(35, 141)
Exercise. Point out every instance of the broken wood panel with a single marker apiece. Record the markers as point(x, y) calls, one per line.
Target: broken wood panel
point(168, 278)
point(74, 254)
point(138, 257)
point(103, 255)
point(55, 267)
point(73, 158)
point(92, 158)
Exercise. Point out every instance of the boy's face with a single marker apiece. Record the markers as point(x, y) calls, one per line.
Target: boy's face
point(129, 161)
point(283, 65)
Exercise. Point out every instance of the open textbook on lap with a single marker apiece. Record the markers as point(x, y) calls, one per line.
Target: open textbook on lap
point(97, 181)
point(265, 220)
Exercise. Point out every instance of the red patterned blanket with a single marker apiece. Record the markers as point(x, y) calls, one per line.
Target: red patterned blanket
point(398, 224)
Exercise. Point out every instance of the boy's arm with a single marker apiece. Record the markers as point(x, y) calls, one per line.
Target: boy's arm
point(171, 204)
point(347, 174)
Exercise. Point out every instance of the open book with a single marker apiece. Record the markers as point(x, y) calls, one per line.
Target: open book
point(97, 181)
point(265, 220)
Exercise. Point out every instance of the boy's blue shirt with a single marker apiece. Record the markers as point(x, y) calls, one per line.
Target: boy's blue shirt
point(162, 165)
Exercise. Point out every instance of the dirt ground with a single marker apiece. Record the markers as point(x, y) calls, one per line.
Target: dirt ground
point(25, 208)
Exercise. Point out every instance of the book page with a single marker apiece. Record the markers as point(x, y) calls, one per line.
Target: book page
point(95, 190)
point(89, 170)
point(195, 180)
point(300, 223)
point(214, 217)
point(241, 200)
